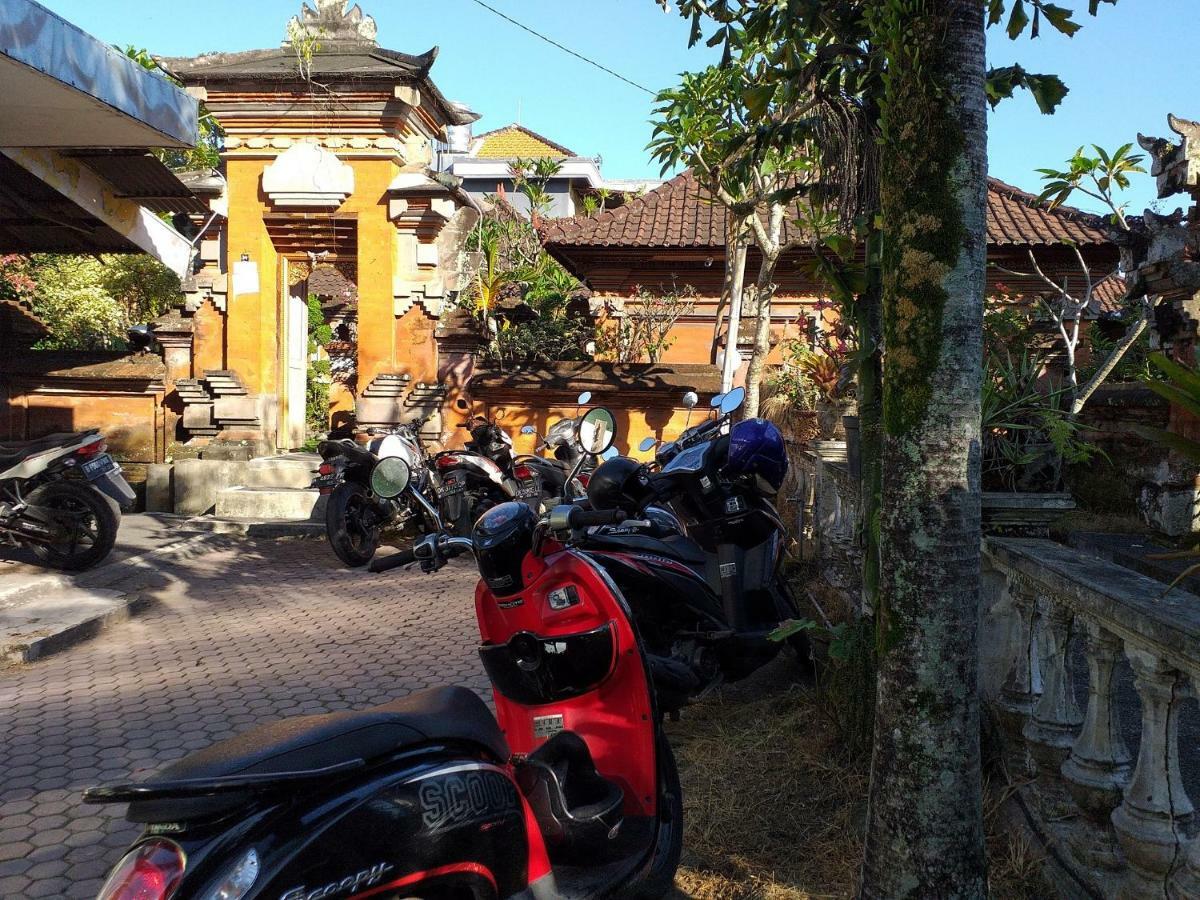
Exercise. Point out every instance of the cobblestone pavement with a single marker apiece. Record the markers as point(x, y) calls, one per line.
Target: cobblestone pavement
point(238, 636)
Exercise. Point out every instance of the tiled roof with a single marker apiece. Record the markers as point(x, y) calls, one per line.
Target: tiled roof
point(516, 141)
point(681, 213)
point(1108, 296)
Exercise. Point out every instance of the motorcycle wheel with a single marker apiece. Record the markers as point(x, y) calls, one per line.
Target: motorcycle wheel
point(657, 879)
point(93, 528)
point(353, 541)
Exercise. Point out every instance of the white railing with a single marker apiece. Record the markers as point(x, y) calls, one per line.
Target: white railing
point(1122, 826)
point(1126, 825)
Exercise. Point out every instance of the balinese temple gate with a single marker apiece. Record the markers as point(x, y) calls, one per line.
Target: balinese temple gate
point(327, 151)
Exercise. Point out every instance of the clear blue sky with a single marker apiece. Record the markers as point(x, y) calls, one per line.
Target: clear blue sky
point(1127, 68)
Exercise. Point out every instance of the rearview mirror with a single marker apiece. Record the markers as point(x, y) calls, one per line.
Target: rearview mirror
point(390, 477)
point(596, 431)
point(690, 399)
point(584, 398)
point(716, 401)
point(733, 400)
point(528, 429)
point(647, 444)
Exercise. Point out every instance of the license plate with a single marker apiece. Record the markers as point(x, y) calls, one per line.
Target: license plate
point(325, 481)
point(100, 465)
point(451, 487)
point(528, 489)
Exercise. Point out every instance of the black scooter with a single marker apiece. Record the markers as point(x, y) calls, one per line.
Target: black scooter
point(569, 791)
point(700, 555)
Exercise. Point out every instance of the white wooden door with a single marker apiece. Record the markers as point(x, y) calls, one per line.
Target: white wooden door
point(296, 376)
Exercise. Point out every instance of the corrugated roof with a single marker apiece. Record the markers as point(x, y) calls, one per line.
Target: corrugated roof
point(681, 213)
point(516, 142)
point(141, 177)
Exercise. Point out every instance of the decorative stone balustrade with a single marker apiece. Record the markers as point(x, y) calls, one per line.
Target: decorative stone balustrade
point(1125, 827)
point(828, 519)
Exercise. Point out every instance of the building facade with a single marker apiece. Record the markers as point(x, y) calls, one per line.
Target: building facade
point(328, 193)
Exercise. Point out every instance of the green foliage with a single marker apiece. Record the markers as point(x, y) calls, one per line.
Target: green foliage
point(207, 152)
point(1028, 433)
point(1182, 388)
point(1096, 176)
point(531, 177)
point(316, 388)
point(319, 331)
point(513, 266)
point(90, 302)
point(1133, 366)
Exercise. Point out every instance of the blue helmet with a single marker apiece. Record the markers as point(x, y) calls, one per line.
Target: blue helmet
point(756, 448)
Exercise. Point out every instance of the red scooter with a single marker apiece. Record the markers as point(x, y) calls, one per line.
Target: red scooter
point(569, 791)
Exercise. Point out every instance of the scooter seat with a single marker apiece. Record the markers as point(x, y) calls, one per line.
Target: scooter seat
point(12, 452)
point(315, 742)
point(676, 546)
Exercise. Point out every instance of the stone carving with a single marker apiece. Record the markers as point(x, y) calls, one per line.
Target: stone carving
point(308, 176)
point(1177, 168)
point(332, 22)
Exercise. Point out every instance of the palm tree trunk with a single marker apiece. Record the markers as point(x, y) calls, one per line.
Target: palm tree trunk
point(925, 824)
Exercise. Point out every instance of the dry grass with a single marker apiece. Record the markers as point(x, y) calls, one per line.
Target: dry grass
point(773, 811)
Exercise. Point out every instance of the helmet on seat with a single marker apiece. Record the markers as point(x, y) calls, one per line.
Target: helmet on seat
point(756, 448)
point(617, 483)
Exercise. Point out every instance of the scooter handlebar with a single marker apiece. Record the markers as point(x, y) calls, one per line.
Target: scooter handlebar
point(585, 518)
point(394, 561)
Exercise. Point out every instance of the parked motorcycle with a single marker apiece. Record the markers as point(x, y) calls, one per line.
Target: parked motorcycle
point(700, 556)
point(478, 477)
point(539, 476)
point(568, 791)
point(356, 516)
point(62, 497)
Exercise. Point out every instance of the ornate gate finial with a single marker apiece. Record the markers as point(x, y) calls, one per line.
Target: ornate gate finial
point(332, 23)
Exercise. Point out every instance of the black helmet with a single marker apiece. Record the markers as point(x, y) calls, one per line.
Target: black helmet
point(502, 537)
point(617, 483)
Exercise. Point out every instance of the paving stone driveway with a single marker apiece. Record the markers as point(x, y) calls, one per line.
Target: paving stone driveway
point(238, 636)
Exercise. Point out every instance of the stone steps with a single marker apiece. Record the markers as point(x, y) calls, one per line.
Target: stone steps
point(295, 470)
point(243, 502)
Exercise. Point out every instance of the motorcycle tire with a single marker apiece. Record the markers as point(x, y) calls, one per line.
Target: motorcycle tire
point(97, 518)
point(657, 879)
point(353, 542)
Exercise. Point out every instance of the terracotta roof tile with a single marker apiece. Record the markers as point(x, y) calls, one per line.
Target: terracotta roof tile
point(1108, 296)
point(680, 213)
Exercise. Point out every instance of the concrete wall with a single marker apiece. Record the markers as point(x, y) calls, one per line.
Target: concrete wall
point(44, 392)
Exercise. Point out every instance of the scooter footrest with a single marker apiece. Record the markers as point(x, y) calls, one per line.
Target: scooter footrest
point(577, 808)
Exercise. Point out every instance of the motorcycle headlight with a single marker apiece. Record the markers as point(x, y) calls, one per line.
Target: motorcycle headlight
point(390, 477)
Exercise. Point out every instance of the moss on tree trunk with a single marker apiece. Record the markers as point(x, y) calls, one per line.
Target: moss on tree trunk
point(925, 834)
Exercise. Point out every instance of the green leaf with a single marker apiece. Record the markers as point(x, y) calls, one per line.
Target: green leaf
point(1048, 91)
point(1018, 19)
point(1181, 445)
point(1060, 18)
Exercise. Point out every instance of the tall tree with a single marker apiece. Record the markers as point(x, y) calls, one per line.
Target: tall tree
point(925, 821)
